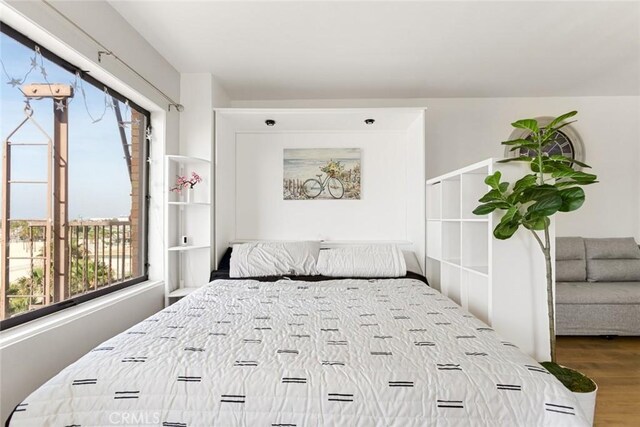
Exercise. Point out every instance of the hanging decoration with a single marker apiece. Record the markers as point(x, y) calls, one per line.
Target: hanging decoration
point(37, 64)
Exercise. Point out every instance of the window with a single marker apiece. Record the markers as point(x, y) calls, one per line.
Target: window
point(74, 184)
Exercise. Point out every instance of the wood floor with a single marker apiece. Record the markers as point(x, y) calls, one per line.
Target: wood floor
point(615, 366)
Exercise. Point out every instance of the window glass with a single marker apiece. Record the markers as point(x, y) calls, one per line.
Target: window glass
point(98, 138)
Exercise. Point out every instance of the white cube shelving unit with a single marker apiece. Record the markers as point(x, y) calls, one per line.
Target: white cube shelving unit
point(187, 265)
point(500, 282)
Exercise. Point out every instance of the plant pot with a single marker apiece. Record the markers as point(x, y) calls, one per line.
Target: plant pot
point(587, 403)
point(188, 195)
point(576, 380)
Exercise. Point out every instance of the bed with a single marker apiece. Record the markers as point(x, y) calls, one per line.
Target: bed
point(305, 352)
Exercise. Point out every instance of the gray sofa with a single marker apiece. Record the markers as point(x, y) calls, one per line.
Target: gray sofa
point(597, 286)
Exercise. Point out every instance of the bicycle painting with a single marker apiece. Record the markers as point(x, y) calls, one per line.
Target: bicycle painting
point(321, 174)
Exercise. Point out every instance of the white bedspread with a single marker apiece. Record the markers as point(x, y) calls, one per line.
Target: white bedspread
point(389, 352)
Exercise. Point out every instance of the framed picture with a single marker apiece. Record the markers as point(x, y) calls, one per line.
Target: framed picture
point(321, 174)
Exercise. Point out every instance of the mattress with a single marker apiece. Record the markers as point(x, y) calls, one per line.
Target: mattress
point(348, 352)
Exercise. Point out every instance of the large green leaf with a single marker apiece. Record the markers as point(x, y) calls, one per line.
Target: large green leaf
point(577, 176)
point(487, 208)
point(518, 141)
point(572, 199)
point(491, 196)
point(538, 192)
point(535, 164)
point(493, 181)
point(524, 182)
point(549, 166)
point(563, 159)
point(516, 159)
point(536, 223)
point(528, 124)
point(557, 128)
point(545, 206)
point(530, 146)
point(561, 118)
point(505, 230)
point(512, 214)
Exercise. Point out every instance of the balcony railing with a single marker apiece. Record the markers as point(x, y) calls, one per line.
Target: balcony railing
point(100, 254)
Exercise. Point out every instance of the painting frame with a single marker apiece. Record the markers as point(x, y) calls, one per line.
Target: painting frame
point(322, 173)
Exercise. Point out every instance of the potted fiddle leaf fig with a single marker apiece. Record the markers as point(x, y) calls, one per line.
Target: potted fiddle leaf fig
point(553, 185)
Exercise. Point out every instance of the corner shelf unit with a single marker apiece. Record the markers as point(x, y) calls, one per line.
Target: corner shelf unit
point(187, 265)
point(498, 281)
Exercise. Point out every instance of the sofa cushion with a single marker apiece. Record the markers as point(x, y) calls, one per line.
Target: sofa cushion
point(614, 270)
point(598, 293)
point(570, 248)
point(571, 270)
point(612, 248)
point(614, 259)
point(571, 265)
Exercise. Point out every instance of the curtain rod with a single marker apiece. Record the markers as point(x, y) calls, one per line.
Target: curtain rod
point(106, 51)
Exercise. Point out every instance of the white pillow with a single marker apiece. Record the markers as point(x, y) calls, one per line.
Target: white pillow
point(362, 261)
point(259, 259)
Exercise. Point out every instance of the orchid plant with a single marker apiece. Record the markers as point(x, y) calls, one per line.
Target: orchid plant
point(183, 182)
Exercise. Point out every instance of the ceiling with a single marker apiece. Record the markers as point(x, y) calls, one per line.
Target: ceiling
point(391, 49)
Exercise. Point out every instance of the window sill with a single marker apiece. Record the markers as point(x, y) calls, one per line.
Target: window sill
point(44, 324)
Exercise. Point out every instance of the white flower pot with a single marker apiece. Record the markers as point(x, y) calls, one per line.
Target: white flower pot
point(188, 196)
point(587, 403)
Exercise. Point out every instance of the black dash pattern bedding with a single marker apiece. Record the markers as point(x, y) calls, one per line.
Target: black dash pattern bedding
point(386, 352)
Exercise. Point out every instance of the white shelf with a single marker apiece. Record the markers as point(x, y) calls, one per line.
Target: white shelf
point(482, 270)
point(187, 159)
point(483, 274)
point(187, 248)
point(191, 266)
point(462, 220)
point(182, 292)
point(189, 203)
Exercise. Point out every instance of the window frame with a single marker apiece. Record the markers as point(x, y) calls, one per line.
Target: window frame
point(28, 316)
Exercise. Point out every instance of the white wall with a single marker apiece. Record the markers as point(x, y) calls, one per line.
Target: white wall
point(463, 131)
point(261, 212)
point(249, 168)
point(34, 359)
point(200, 93)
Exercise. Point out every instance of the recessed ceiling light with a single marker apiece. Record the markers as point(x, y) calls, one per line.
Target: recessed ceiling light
point(270, 122)
point(369, 121)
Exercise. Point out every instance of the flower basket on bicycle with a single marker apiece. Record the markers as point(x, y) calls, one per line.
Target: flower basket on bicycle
point(313, 187)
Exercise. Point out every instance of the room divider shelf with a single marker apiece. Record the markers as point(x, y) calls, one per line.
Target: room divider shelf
point(492, 279)
point(457, 240)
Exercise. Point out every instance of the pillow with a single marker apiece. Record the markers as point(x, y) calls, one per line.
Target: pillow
point(362, 261)
point(571, 270)
point(613, 270)
point(570, 248)
point(613, 248)
point(260, 259)
point(571, 264)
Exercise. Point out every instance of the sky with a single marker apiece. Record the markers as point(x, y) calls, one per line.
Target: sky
point(99, 185)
